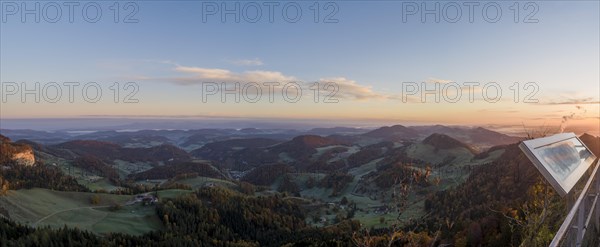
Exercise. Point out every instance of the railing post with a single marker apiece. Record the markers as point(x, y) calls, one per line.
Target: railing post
point(580, 221)
point(573, 237)
point(597, 203)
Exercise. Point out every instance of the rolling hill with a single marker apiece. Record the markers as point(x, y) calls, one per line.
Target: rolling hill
point(392, 133)
point(109, 152)
point(440, 142)
point(221, 150)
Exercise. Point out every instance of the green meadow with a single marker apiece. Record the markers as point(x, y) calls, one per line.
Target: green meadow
point(42, 207)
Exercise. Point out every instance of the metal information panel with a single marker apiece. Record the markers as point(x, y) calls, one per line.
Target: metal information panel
point(561, 158)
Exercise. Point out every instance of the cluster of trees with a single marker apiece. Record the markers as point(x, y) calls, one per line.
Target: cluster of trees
point(289, 186)
point(131, 188)
point(260, 219)
point(387, 237)
point(323, 163)
point(196, 220)
point(400, 173)
point(504, 203)
point(369, 153)
point(398, 155)
point(223, 150)
point(13, 234)
point(336, 181)
point(97, 166)
point(14, 177)
point(267, 174)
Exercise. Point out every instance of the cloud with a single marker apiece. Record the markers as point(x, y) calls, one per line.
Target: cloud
point(198, 75)
point(434, 80)
point(267, 76)
point(346, 88)
point(206, 73)
point(574, 101)
point(349, 89)
point(497, 111)
point(247, 62)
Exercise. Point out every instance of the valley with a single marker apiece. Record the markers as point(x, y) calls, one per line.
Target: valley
point(379, 179)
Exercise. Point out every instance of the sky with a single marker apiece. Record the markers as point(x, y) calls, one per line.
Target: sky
point(370, 60)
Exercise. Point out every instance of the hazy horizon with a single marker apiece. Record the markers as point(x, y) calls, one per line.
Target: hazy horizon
point(189, 123)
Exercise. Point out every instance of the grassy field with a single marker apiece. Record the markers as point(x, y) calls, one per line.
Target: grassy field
point(102, 184)
point(42, 207)
point(125, 168)
point(136, 219)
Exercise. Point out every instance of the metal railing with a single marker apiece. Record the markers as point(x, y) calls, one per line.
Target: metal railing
point(585, 209)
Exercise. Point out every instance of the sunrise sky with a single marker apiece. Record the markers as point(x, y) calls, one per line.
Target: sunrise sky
point(368, 53)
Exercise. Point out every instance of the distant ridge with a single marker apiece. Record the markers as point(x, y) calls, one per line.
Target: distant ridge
point(311, 141)
point(395, 132)
point(108, 151)
point(441, 141)
point(480, 137)
point(302, 147)
point(336, 131)
point(220, 150)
